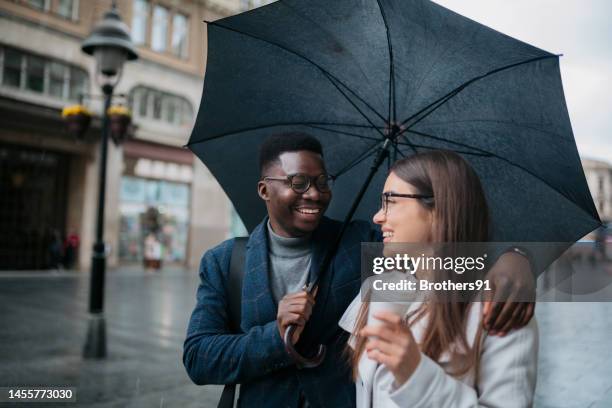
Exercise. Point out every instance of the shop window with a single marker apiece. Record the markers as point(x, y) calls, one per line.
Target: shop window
point(156, 207)
point(159, 35)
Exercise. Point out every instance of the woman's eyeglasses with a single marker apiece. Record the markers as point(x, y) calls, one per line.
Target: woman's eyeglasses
point(385, 199)
point(300, 183)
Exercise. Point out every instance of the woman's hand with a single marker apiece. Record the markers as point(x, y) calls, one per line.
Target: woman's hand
point(391, 343)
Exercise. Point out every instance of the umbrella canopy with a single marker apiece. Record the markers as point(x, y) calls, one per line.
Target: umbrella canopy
point(345, 71)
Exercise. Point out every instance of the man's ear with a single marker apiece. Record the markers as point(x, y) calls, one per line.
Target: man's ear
point(262, 190)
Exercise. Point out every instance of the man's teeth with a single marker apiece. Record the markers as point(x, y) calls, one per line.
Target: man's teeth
point(387, 234)
point(309, 210)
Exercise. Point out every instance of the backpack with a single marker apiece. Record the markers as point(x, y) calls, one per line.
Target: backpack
point(236, 275)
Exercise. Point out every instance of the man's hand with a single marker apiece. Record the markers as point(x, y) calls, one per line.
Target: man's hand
point(295, 308)
point(511, 305)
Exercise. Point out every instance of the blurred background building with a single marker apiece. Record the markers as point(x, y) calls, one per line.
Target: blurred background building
point(599, 177)
point(48, 180)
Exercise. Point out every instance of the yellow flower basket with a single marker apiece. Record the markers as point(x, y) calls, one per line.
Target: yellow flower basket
point(75, 110)
point(119, 110)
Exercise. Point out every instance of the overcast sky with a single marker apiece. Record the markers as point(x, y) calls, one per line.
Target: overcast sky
point(581, 30)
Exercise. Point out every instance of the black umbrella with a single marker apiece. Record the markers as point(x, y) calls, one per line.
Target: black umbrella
point(406, 75)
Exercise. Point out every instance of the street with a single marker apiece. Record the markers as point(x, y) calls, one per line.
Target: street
point(44, 317)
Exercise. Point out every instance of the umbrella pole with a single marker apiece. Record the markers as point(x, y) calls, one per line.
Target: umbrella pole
point(301, 361)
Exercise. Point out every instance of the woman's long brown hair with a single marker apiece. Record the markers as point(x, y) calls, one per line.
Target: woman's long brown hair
point(460, 215)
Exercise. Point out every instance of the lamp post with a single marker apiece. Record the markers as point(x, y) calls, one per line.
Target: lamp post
point(110, 43)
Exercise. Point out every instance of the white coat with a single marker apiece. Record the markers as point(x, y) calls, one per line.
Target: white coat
point(508, 367)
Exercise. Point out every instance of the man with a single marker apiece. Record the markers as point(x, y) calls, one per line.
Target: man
point(283, 254)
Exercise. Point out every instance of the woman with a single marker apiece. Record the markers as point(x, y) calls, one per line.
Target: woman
point(437, 355)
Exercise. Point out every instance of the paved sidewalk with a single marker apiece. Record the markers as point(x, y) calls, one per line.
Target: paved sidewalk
point(44, 322)
point(44, 317)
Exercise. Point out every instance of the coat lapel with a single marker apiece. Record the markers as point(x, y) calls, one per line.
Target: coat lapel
point(258, 305)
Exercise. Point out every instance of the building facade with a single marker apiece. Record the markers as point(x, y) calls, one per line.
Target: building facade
point(599, 177)
point(49, 180)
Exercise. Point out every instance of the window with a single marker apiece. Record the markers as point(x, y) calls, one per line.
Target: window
point(78, 83)
point(159, 36)
point(251, 4)
point(149, 103)
point(179, 35)
point(186, 113)
point(140, 20)
point(57, 79)
point(142, 100)
point(170, 109)
point(157, 105)
point(67, 9)
point(33, 73)
point(11, 74)
point(39, 4)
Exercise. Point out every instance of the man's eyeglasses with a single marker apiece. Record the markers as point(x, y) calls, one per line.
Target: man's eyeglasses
point(300, 183)
point(427, 199)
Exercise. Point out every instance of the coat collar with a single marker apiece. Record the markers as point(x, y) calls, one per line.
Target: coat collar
point(258, 305)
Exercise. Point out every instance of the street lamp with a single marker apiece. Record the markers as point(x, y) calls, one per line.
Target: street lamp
point(110, 43)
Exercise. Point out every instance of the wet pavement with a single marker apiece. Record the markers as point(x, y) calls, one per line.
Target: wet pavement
point(44, 320)
point(44, 323)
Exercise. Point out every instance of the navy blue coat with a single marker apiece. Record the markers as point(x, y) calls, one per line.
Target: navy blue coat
point(257, 359)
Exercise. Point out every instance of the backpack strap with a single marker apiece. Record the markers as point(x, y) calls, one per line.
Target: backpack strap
point(234, 286)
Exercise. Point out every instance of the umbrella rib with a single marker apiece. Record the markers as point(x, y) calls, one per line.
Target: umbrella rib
point(361, 157)
point(454, 150)
point(392, 107)
point(248, 129)
point(441, 139)
point(558, 137)
point(398, 151)
point(439, 102)
point(409, 143)
point(354, 105)
point(297, 54)
point(490, 154)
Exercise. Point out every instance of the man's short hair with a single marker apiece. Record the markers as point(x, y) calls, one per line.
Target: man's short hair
point(275, 145)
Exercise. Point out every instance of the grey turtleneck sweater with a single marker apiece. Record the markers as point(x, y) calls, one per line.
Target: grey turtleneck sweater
point(289, 263)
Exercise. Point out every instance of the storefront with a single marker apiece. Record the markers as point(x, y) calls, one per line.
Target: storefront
point(33, 195)
point(154, 206)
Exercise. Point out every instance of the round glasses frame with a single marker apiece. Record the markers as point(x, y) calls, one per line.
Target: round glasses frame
point(301, 183)
point(384, 204)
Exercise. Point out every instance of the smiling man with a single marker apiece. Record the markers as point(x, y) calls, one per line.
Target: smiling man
point(283, 253)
